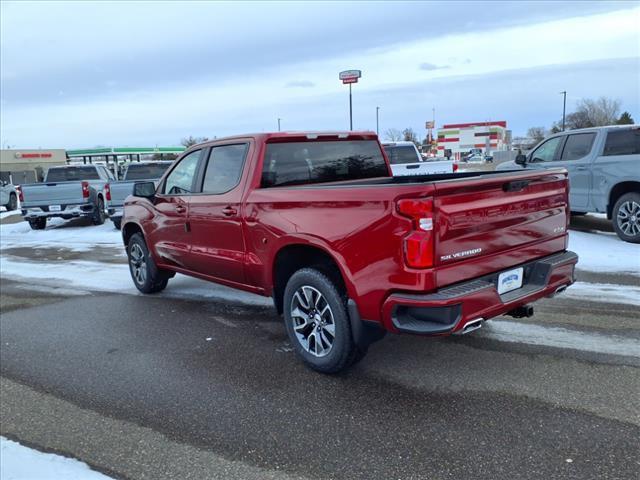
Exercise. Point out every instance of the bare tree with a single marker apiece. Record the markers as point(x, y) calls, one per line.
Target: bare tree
point(594, 113)
point(190, 141)
point(537, 133)
point(393, 135)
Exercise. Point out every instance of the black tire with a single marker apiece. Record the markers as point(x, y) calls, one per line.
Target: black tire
point(343, 352)
point(626, 217)
point(98, 214)
point(117, 223)
point(39, 223)
point(578, 214)
point(153, 280)
point(13, 202)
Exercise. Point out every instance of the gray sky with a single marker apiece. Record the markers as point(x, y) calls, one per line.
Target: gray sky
point(80, 74)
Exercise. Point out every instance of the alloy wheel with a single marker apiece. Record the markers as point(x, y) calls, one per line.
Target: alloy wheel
point(138, 264)
point(313, 321)
point(628, 218)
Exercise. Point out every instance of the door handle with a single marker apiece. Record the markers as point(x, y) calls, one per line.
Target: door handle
point(228, 211)
point(581, 168)
point(180, 209)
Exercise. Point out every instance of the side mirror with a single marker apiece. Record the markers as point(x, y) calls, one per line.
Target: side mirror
point(144, 189)
point(521, 159)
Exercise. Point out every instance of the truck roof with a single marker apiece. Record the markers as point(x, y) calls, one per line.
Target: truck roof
point(292, 136)
point(403, 143)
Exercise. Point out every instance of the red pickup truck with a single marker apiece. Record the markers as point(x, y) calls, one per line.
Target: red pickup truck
point(347, 251)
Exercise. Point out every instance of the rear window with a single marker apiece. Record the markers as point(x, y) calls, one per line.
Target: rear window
point(301, 163)
point(148, 171)
point(623, 142)
point(70, 174)
point(401, 154)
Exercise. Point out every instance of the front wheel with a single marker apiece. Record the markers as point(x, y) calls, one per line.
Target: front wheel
point(626, 217)
point(147, 277)
point(13, 203)
point(317, 322)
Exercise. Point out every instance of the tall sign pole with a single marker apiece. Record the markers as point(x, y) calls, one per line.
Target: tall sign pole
point(564, 107)
point(350, 77)
point(377, 122)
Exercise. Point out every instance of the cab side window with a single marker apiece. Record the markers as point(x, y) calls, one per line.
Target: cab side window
point(182, 178)
point(224, 168)
point(622, 142)
point(577, 146)
point(547, 151)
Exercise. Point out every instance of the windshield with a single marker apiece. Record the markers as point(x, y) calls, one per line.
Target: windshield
point(70, 174)
point(146, 171)
point(401, 154)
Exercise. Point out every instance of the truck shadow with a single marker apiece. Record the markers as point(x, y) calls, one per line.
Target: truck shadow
point(590, 223)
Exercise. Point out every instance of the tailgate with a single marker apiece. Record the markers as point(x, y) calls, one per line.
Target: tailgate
point(53, 194)
point(119, 192)
point(497, 221)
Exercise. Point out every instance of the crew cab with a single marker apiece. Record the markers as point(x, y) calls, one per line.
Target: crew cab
point(604, 172)
point(68, 191)
point(405, 160)
point(347, 251)
point(134, 172)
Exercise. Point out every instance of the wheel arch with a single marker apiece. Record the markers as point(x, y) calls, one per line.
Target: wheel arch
point(292, 257)
point(617, 191)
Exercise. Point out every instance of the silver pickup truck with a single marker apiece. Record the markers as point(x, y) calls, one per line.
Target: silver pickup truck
point(67, 191)
point(405, 160)
point(134, 172)
point(604, 172)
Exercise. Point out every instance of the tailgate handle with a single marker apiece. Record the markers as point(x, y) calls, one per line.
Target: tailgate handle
point(516, 185)
point(413, 166)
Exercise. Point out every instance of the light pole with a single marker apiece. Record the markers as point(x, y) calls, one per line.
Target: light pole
point(377, 122)
point(279, 123)
point(564, 107)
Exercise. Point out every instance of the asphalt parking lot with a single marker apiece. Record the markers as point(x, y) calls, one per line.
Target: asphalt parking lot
point(185, 386)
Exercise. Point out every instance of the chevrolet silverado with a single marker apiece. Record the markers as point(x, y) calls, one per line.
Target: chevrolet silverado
point(347, 251)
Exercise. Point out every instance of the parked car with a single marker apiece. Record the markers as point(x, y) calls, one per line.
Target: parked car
point(604, 172)
point(347, 251)
point(133, 172)
point(8, 196)
point(67, 191)
point(406, 160)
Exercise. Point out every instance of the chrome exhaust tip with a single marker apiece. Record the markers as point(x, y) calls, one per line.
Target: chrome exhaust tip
point(470, 326)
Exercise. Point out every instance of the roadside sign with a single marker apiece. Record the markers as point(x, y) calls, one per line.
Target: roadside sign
point(350, 74)
point(429, 125)
point(350, 80)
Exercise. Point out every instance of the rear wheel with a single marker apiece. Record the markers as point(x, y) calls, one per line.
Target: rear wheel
point(13, 202)
point(98, 214)
point(317, 322)
point(39, 223)
point(117, 223)
point(147, 277)
point(626, 217)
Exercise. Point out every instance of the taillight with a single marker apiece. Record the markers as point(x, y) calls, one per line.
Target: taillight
point(419, 244)
point(20, 194)
point(85, 189)
point(107, 192)
point(455, 167)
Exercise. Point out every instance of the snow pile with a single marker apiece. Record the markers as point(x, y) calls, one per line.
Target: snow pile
point(21, 463)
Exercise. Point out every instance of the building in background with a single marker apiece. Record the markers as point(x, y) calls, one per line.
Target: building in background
point(28, 166)
point(461, 138)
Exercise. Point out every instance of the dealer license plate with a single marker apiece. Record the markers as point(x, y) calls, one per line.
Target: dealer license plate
point(510, 280)
point(54, 208)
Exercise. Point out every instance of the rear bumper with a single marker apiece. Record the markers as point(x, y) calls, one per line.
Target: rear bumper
point(115, 213)
point(67, 211)
point(449, 309)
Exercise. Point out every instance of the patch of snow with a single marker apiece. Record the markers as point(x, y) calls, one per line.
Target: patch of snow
point(23, 463)
point(515, 332)
point(107, 277)
point(605, 252)
point(604, 292)
point(5, 214)
point(61, 234)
